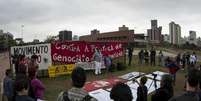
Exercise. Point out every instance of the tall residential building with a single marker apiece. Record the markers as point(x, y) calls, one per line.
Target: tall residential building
point(199, 42)
point(65, 35)
point(154, 34)
point(192, 37)
point(154, 24)
point(175, 33)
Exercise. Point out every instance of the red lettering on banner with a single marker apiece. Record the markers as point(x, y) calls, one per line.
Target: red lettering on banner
point(86, 49)
point(72, 52)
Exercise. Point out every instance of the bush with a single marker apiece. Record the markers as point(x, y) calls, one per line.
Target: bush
point(112, 68)
point(121, 66)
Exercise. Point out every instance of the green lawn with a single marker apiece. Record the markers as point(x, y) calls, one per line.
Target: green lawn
point(58, 84)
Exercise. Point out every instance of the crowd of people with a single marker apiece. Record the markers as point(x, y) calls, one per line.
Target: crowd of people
point(122, 92)
point(27, 87)
point(146, 57)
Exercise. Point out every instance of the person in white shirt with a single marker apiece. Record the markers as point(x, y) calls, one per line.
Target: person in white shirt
point(97, 59)
point(193, 59)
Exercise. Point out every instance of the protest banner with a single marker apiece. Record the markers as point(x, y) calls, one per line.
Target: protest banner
point(43, 51)
point(57, 70)
point(72, 52)
point(94, 85)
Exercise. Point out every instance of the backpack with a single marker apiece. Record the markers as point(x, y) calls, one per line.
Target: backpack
point(65, 97)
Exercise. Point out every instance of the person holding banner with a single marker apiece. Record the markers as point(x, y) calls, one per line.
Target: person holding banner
point(97, 57)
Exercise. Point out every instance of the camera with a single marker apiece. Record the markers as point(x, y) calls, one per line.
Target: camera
point(155, 75)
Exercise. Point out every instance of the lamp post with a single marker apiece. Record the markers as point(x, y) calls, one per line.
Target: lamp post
point(22, 26)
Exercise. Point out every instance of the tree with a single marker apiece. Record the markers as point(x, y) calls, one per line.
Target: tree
point(2, 43)
point(49, 39)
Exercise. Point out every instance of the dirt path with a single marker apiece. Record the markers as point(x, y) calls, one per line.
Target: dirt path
point(4, 64)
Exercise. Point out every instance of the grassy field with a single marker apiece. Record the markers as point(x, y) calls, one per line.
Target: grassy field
point(58, 84)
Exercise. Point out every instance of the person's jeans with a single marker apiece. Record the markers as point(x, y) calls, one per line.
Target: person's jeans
point(173, 78)
point(129, 60)
point(97, 67)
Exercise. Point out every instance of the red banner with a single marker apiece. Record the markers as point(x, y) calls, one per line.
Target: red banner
point(71, 52)
point(108, 83)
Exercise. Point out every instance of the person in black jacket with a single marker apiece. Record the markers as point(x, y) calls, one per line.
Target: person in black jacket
point(146, 57)
point(142, 90)
point(165, 92)
point(141, 57)
point(153, 57)
point(121, 92)
point(183, 61)
point(130, 55)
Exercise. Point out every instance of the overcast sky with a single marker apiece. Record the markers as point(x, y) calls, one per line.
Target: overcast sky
point(46, 17)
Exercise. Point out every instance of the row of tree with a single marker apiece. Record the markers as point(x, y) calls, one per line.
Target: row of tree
point(6, 43)
point(186, 45)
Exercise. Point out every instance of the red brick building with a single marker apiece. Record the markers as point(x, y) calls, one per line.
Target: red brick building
point(123, 35)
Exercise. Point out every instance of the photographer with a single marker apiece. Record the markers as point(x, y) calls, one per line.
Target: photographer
point(165, 92)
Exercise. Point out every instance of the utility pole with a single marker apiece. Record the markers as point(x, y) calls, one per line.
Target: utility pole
point(22, 27)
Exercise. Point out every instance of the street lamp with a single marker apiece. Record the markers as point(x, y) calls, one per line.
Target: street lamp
point(22, 26)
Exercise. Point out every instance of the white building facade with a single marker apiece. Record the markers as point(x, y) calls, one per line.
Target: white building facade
point(175, 33)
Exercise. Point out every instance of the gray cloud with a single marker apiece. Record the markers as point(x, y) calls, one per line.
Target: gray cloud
point(44, 17)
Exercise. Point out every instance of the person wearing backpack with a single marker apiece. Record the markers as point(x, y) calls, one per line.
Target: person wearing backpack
point(76, 93)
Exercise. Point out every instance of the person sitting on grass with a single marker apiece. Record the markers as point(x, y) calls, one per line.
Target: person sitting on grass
point(165, 92)
point(8, 86)
point(121, 92)
point(76, 93)
point(142, 90)
point(21, 88)
point(191, 94)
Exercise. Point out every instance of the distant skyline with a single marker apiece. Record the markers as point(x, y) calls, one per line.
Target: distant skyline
point(47, 17)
